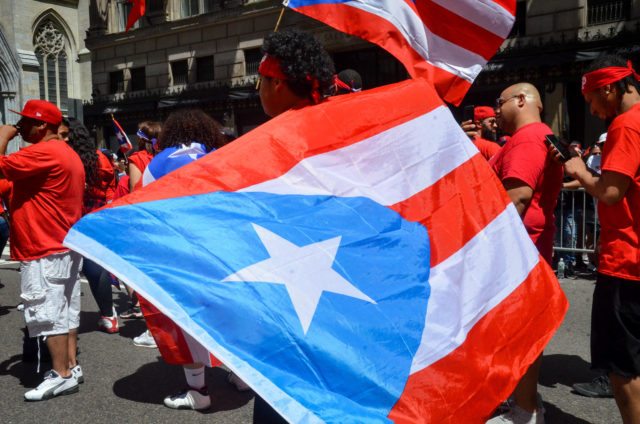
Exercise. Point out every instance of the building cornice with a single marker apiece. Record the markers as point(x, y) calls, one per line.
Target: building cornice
point(222, 17)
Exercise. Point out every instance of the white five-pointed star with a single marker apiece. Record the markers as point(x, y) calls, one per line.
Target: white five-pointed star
point(305, 271)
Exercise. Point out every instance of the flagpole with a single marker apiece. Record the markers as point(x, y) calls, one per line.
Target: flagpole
point(279, 19)
point(124, 154)
point(274, 30)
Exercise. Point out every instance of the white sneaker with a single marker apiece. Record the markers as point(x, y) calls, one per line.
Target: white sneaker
point(189, 398)
point(517, 415)
point(76, 372)
point(145, 340)
point(241, 386)
point(53, 385)
point(109, 324)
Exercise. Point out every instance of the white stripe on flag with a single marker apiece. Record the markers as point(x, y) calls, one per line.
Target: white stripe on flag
point(199, 353)
point(471, 282)
point(484, 13)
point(147, 177)
point(434, 49)
point(388, 167)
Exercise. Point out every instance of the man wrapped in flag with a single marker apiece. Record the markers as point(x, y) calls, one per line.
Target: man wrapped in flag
point(345, 260)
point(289, 80)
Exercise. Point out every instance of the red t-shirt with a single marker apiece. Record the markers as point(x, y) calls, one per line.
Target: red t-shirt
point(619, 238)
point(48, 188)
point(141, 159)
point(123, 187)
point(5, 194)
point(487, 148)
point(525, 157)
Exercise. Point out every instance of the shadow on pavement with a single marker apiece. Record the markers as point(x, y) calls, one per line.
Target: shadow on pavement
point(554, 415)
point(129, 328)
point(88, 322)
point(25, 372)
point(565, 369)
point(152, 382)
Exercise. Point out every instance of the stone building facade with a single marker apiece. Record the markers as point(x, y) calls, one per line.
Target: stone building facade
point(200, 52)
point(551, 45)
point(43, 55)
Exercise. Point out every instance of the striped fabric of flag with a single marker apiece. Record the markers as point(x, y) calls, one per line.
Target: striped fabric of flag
point(446, 41)
point(123, 140)
point(350, 267)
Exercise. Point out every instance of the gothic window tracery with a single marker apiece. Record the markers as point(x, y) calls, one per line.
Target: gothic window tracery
point(50, 48)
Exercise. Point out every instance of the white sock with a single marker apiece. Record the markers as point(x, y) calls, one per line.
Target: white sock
point(195, 377)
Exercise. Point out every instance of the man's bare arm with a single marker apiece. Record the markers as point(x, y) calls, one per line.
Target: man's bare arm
point(134, 176)
point(520, 194)
point(7, 133)
point(609, 188)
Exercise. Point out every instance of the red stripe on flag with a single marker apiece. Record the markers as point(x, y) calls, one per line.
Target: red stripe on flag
point(167, 334)
point(169, 337)
point(294, 136)
point(509, 5)
point(378, 30)
point(457, 30)
point(372, 28)
point(450, 86)
point(214, 361)
point(456, 207)
point(470, 382)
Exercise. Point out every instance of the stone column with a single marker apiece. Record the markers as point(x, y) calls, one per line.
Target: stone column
point(157, 11)
point(555, 109)
point(97, 18)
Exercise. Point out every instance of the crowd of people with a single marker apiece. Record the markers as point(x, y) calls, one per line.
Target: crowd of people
point(531, 171)
point(61, 176)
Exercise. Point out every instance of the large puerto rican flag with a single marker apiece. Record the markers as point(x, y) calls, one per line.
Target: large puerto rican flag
point(445, 41)
point(356, 261)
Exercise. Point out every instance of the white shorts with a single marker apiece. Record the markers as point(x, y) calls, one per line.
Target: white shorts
point(51, 293)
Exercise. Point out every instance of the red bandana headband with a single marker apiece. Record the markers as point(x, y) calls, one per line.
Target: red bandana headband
point(343, 85)
point(601, 77)
point(270, 67)
point(315, 89)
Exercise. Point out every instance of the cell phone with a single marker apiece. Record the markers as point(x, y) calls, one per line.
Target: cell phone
point(467, 114)
point(560, 146)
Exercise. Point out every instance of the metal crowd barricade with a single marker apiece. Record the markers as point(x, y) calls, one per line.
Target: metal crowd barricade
point(576, 218)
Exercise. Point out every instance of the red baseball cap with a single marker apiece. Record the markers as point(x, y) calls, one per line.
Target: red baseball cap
point(483, 112)
point(41, 110)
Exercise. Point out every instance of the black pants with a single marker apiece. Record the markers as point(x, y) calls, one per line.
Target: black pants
point(615, 326)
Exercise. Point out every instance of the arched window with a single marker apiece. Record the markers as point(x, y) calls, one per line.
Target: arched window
point(50, 47)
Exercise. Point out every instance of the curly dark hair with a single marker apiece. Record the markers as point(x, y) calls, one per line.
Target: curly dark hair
point(618, 61)
point(81, 142)
point(186, 125)
point(301, 54)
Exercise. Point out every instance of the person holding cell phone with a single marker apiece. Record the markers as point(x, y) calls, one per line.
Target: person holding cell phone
point(533, 182)
point(480, 124)
point(612, 89)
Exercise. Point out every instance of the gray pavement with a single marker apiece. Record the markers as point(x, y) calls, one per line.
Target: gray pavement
point(566, 361)
point(127, 384)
